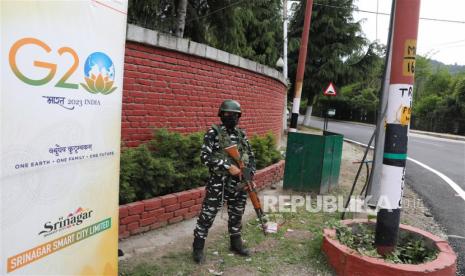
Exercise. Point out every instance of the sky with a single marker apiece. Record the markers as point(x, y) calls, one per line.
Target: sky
point(443, 41)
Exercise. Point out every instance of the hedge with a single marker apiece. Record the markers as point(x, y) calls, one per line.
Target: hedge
point(170, 163)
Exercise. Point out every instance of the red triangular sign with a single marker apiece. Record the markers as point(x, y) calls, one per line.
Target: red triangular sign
point(330, 91)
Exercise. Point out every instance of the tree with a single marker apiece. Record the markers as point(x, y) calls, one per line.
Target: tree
point(438, 83)
point(441, 105)
point(181, 18)
point(334, 38)
point(153, 14)
point(458, 88)
point(423, 72)
point(251, 29)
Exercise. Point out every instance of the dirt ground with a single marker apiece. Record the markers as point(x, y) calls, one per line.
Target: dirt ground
point(414, 212)
point(294, 250)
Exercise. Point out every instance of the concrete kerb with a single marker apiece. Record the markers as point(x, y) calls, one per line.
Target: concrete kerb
point(179, 236)
point(434, 134)
point(153, 38)
point(141, 35)
point(197, 49)
point(439, 135)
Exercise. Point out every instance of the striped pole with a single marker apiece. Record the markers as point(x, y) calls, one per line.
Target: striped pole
point(397, 121)
point(301, 66)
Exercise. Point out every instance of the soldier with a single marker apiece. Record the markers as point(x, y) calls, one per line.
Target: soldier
point(224, 177)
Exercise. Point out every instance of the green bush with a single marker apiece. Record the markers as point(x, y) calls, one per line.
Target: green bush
point(142, 176)
point(183, 151)
point(170, 163)
point(265, 150)
point(409, 249)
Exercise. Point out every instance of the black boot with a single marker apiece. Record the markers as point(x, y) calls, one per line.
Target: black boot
point(197, 253)
point(237, 246)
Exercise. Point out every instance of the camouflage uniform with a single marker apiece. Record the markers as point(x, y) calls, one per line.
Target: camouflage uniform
point(221, 185)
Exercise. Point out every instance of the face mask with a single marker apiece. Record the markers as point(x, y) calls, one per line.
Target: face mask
point(230, 121)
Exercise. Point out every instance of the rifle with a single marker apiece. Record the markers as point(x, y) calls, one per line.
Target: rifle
point(247, 184)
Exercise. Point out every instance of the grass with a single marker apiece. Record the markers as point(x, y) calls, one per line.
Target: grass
point(274, 253)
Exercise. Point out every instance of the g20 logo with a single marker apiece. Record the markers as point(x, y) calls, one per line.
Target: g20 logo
point(99, 71)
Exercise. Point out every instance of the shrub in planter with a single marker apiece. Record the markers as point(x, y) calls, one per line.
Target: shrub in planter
point(184, 153)
point(265, 150)
point(170, 163)
point(349, 249)
point(143, 176)
point(410, 249)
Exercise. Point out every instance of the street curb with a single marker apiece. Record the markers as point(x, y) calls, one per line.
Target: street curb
point(439, 135)
point(434, 134)
point(357, 143)
point(346, 261)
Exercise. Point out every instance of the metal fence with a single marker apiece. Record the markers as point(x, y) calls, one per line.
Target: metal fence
point(453, 125)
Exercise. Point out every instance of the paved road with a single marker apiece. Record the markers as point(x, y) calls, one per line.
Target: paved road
point(444, 155)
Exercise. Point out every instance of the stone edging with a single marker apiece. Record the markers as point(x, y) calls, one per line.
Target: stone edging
point(150, 37)
point(346, 261)
point(142, 216)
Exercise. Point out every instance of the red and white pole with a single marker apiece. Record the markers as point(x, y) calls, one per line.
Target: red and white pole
point(397, 122)
point(299, 79)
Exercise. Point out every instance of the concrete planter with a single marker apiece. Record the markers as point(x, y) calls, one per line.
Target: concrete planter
point(346, 261)
point(142, 216)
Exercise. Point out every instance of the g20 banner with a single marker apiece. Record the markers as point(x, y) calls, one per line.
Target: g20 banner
point(60, 119)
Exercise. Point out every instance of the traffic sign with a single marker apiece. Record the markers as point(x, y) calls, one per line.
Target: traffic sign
point(330, 91)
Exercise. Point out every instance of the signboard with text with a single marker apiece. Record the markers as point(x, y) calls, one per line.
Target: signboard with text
point(60, 119)
point(331, 112)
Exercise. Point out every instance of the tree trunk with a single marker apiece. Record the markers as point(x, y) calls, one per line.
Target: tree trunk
point(308, 112)
point(181, 18)
point(308, 115)
point(285, 114)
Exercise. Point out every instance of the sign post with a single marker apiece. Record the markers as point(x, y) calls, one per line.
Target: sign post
point(60, 122)
point(330, 91)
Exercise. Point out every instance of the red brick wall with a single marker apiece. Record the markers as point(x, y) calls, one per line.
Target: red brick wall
point(142, 216)
point(181, 92)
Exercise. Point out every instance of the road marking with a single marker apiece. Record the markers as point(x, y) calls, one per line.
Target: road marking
point(456, 237)
point(432, 144)
point(449, 181)
point(436, 138)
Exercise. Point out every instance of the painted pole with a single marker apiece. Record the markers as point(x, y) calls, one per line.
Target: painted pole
point(285, 61)
point(397, 120)
point(285, 20)
point(301, 66)
point(375, 177)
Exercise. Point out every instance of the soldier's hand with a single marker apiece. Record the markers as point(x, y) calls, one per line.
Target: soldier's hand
point(234, 170)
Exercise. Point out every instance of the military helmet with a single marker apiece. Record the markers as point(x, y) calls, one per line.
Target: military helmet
point(230, 106)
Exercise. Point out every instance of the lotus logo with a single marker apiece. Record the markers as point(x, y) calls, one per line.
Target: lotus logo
point(99, 74)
